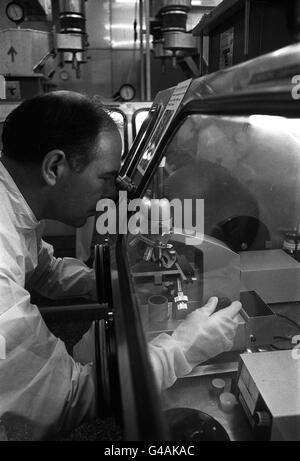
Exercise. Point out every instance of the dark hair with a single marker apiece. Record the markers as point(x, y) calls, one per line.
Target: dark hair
point(62, 120)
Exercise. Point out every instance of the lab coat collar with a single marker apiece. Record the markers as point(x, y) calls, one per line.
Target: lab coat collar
point(24, 214)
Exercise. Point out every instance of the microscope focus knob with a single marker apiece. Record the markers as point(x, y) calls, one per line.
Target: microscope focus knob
point(262, 419)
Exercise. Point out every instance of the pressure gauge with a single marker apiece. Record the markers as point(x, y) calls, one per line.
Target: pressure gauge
point(15, 12)
point(127, 92)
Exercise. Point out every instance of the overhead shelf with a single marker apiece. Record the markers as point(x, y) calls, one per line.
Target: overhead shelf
point(217, 16)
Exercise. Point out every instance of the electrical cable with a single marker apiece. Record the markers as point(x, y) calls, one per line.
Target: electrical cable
point(297, 325)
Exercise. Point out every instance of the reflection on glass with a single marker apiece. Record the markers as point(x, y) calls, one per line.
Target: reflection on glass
point(141, 138)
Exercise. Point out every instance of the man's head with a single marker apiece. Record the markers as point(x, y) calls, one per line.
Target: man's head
point(68, 150)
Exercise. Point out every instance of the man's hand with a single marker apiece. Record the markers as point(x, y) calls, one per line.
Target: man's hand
point(200, 337)
point(205, 334)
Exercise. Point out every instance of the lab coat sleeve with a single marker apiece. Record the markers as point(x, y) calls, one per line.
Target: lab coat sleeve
point(60, 278)
point(168, 361)
point(43, 391)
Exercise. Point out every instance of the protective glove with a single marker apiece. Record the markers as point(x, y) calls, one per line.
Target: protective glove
point(200, 337)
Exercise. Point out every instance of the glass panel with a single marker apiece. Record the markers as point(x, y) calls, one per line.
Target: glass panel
point(139, 118)
point(247, 171)
point(240, 240)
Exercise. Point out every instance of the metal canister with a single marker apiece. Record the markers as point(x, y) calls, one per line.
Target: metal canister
point(72, 16)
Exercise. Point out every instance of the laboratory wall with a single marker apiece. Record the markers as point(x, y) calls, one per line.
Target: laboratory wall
point(113, 56)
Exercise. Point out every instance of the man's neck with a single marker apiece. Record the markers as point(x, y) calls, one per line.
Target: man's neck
point(23, 178)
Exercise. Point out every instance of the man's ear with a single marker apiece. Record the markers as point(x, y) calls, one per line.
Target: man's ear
point(54, 166)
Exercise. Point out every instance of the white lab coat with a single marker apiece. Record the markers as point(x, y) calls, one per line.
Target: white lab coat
point(42, 389)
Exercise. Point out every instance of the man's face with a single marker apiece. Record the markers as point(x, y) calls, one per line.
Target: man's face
point(80, 192)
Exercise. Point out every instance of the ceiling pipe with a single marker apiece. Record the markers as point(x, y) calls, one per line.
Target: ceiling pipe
point(148, 51)
point(142, 64)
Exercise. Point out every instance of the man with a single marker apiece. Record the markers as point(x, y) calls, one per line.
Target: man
point(60, 156)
